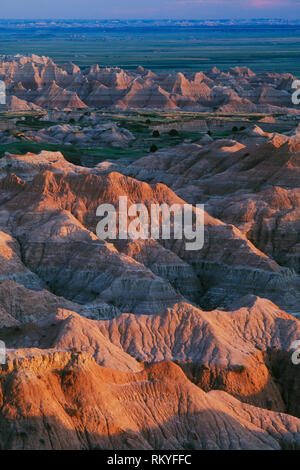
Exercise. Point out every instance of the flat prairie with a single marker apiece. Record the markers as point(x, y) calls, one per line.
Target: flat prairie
point(272, 47)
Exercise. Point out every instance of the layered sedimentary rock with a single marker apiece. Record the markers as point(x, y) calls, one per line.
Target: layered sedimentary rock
point(15, 104)
point(54, 216)
point(41, 81)
point(93, 327)
point(24, 305)
point(65, 134)
point(253, 185)
point(233, 355)
point(64, 400)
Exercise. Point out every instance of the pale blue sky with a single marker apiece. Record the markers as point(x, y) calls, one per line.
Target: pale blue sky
point(151, 9)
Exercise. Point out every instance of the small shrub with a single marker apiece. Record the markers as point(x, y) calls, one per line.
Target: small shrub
point(72, 412)
point(96, 447)
point(155, 134)
point(234, 129)
point(269, 404)
point(239, 369)
point(153, 148)
point(173, 133)
point(47, 426)
point(189, 445)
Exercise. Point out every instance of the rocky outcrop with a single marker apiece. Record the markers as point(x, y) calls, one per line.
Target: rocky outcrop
point(60, 98)
point(70, 402)
point(217, 349)
point(46, 84)
point(65, 134)
point(252, 185)
point(23, 305)
point(107, 346)
point(61, 220)
point(12, 267)
point(15, 104)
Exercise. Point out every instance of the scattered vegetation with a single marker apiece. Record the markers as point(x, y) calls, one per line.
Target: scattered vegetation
point(173, 132)
point(239, 369)
point(72, 412)
point(137, 122)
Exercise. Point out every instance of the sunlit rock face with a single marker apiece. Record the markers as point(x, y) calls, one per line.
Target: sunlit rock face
point(65, 295)
point(71, 390)
point(38, 82)
point(144, 344)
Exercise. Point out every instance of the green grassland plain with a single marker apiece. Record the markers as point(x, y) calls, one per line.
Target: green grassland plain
point(262, 48)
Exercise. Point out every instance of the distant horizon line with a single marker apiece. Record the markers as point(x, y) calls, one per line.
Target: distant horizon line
point(152, 19)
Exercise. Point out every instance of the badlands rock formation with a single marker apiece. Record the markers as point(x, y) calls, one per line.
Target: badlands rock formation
point(77, 359)
point(61, 220)
point(104, 134)
point(64, 400)
point(38, 80)
point(254, 187)
point(143, 344)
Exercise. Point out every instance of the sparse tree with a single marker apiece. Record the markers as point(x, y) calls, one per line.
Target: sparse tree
point(153, 148)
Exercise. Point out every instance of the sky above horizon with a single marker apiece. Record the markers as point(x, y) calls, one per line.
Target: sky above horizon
point(154, 9)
